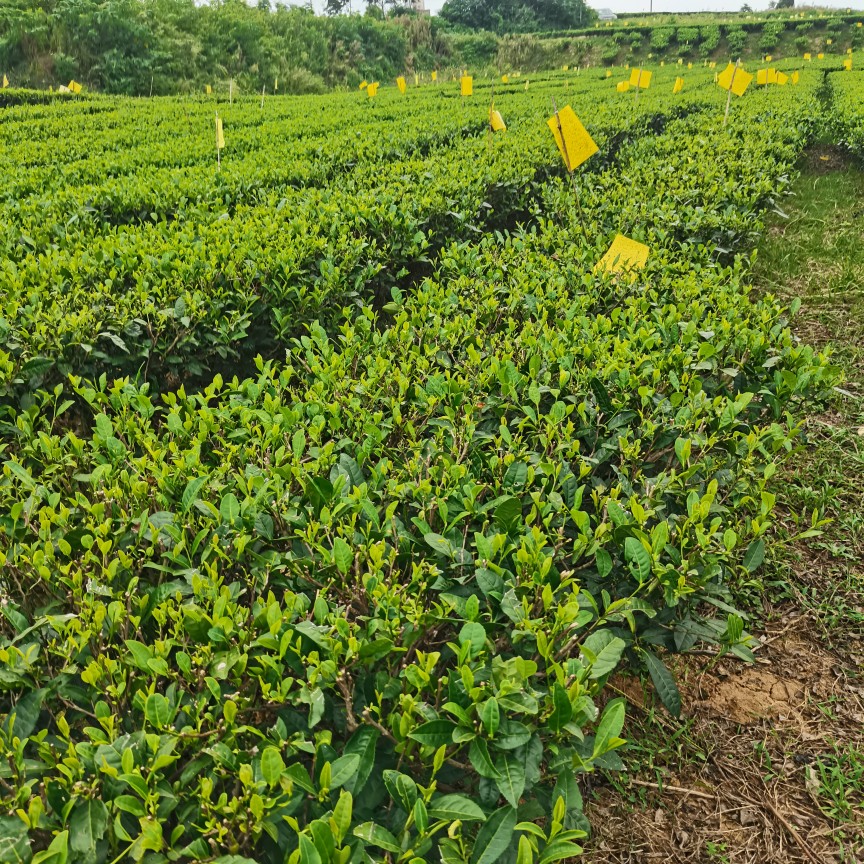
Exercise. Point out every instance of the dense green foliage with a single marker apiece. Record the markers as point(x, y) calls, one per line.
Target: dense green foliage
point(517, 16)
point(360, 600)
point(167, 46)
point(147, 47)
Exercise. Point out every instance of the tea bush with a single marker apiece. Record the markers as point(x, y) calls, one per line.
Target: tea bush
point(361, 604)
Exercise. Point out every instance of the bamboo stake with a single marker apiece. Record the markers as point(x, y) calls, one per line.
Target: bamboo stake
point(729, 94)
point(572, 174)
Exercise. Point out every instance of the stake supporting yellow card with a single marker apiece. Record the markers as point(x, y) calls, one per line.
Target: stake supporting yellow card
point(467, 87)
point(623, 255)
point(736, 80)
point(574, 142)
point(496, 121)
point(640, 78)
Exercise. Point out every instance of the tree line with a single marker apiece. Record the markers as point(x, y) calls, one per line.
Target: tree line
point(138, 47)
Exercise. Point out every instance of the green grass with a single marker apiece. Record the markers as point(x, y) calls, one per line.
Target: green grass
point(817, 254)
point(840, 780)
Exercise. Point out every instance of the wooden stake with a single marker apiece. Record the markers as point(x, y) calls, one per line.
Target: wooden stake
point(572, 174)
point(231, 92)
point(262, 96)
point(729, 94)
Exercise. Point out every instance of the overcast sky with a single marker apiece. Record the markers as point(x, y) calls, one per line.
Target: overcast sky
point(642, 5)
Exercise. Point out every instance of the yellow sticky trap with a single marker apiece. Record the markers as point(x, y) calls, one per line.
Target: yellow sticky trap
point(859, 24)
point(736, 80)
point(566, 68)
point(640, 78)
point(849, 51)
point(400, 83)
point(622, 86)
point(626, 65)
point(820, 56)
point(74, 86)
point(608, 73)
point(505, 79)
point(771, 75)
point(680, 61)
point(467, 85)
point(847, 65)
point(623, 255)
point(768, 58)
point(781, 78)
point(208, 89)
point(794, 77)
point(829, 41)
point(5, 82)
point(364, 84)
point(220, 136)
point(679, 85)
point(807, 56)
point(275, 84)
point(712, 64)
point(372, 89)
point(689, 65)
point(576, 145)
point(416, 80)
point(434, 74)
point(662, 62)
point(496, 121)
point(762, 76)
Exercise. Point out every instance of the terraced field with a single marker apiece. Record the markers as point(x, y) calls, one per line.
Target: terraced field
point(337, 481)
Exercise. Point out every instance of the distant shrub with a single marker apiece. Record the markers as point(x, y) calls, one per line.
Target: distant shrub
point(736, 39)
point(660, 38)
point(302, 82)
point(609, 55)
point(710, 39)
point(687, 36)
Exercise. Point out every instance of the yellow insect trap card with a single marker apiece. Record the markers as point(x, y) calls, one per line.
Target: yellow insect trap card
point(574, 142)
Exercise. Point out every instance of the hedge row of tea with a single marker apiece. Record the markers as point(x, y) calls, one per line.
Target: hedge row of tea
point(117, 264)
point(361, 604)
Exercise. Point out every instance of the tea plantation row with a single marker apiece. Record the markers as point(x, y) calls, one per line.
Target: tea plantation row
point(362, 603)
